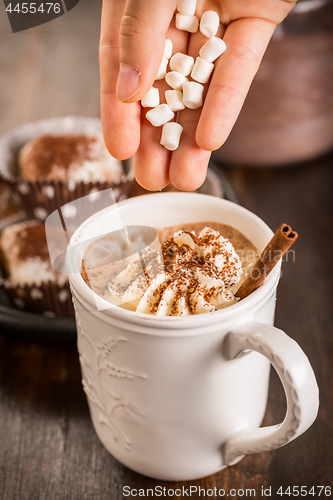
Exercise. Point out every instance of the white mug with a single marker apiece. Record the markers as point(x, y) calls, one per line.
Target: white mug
point(179, 398)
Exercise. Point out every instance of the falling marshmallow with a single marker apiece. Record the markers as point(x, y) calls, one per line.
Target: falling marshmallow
point(174, 99)
point(160, 115)
point(187, 7)
point(187, 23)
point(162, 70)
point(151, 99)
point(209, 23)
point(192, 95)
point(184, 93)
point(168, 49)
point(182, 63)
point(171, 133)
point(212, 49)
point(175, 79)
point(202, 70)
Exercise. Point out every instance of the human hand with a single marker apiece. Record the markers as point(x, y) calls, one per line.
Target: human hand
point(133, 34)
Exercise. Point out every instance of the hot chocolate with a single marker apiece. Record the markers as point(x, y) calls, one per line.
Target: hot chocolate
point(192, 269)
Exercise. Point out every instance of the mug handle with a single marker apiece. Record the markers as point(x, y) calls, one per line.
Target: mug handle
point(297, 378)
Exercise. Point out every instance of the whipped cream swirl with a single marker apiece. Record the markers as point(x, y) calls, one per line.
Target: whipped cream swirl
point(194, 275)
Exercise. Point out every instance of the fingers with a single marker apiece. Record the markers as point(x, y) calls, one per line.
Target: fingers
point(151, 161)
point(142, 39)
point(188, 167)
point(246, 41)
point(121, 122)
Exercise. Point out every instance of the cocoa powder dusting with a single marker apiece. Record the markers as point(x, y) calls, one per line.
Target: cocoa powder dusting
point(31, 242)
point(158, 293)
point(60, 150)
point(202, 273)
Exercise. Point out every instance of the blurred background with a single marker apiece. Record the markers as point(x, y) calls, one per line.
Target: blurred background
point(51, 70)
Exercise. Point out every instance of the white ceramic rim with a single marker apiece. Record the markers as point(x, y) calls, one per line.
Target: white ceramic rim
point(244, 306)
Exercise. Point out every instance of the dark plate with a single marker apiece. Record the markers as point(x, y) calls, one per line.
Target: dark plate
point(29, 326)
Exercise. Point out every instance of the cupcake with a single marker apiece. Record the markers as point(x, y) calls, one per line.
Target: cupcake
point(29, 278)
point(53, 162)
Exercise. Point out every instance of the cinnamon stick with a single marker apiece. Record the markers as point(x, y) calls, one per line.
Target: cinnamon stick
point(270, 256)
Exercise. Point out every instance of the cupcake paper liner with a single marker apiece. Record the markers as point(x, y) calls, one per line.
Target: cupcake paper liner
point(41, 197)
point(48, 298)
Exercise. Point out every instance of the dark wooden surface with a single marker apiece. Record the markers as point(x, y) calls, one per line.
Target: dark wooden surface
point(48, 448)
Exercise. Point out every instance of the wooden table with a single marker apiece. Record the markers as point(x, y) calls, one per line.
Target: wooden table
point(48, 447)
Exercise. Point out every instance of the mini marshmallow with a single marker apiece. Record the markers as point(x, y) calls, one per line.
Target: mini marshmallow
point(209, 23)
point(160, 115)
point(212, 49)
point(171, 133)
point(162, 70)
point(202, 70)
point(187, 7)
point(182, 63)
point(192, 95)
point(174, 99)
point(151, 99)
point(168, 48)
point(175, 79)
point(187, 23)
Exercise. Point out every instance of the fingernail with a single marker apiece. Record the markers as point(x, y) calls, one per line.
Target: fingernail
point(128, 82)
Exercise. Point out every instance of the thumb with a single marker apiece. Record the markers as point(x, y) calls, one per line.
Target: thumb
point(142, 40)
